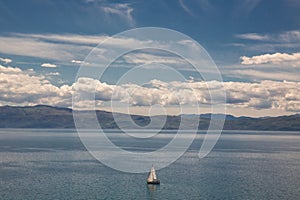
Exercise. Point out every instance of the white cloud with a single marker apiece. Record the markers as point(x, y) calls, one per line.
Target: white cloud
point(253, 36)
point(9, 70)
point(53, 74)
point(147, 58)
point(185, 7)
point(122, 10)
point(48, 65)
point(19, 87)
point(276, 58)
point(65, 38)
point(289, 36)
point(264, 95)
point(83, 40)
point(283, 37)
point(79, 62)
point(6, 60)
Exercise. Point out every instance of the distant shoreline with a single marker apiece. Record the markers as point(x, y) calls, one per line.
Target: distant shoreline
point(171, 132)
point(48, 117)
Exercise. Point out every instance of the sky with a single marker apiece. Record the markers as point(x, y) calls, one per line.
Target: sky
point(255, 45)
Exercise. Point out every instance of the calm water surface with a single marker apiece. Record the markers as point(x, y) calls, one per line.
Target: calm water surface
point(53, 164)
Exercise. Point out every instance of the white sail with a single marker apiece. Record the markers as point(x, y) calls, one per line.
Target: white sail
point(152, 175)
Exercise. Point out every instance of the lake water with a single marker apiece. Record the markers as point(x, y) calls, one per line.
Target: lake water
point(53, 164)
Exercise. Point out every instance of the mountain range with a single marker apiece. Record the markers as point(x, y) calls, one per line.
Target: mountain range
point(42, 116)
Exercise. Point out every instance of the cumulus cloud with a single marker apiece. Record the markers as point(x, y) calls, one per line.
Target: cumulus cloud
point(48, 65)
point(263, 95)
point(276, 58)
point(6, 60)
point(9, 70)
point(18, 87)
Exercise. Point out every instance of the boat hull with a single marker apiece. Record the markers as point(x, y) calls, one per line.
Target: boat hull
point(154, 182)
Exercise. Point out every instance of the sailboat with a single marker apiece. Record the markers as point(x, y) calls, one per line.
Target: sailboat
point(152, 179)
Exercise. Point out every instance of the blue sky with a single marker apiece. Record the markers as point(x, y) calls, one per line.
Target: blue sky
point(255, 44)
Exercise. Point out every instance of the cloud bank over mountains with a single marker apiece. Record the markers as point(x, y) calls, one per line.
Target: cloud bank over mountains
point(25, 87)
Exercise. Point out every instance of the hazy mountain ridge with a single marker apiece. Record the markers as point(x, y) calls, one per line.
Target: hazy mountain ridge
point(53, 117)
